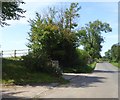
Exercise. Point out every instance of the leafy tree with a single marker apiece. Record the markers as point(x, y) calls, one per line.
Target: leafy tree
point(115, 52)
point(108, 54)
point(67, 26)
point(44, 34)
point(90, 37)
point(83, 57)
point(54, 37)
point(47, 36)
point(70, 15)
point(11, 11)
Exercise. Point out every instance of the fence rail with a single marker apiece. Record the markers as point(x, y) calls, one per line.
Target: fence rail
point(14, 53)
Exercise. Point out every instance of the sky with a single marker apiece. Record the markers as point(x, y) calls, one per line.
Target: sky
point(14, 37)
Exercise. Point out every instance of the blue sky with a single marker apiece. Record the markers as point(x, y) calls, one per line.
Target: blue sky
point(14, 37)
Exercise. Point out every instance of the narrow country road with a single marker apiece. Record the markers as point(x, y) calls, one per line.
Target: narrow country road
point(102, 83)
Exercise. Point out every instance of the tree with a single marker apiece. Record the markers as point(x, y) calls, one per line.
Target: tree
point(70, 15)
point(11, 11)
point(51, 37)
point(90, 37)
point(108, 54)
point(55, 37)
point(44, 35)
point(67, 26)
point(115, 52)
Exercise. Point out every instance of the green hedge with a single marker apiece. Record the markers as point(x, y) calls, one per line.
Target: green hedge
point(41, 64)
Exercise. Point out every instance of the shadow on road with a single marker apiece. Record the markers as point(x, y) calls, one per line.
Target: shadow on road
point(84, 81)
point(6, 96)
point(104, 71)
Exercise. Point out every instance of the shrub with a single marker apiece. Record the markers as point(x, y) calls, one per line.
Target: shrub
point(81, 69)
point(40, 63)
point(82, 57)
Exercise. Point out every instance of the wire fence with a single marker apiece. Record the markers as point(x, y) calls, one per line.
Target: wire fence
point(14, 53)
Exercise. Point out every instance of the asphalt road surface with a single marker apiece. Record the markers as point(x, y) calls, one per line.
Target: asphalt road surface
point(102, 83)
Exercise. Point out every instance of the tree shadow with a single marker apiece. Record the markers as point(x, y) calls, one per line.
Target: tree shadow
point(6, 96)
point(104, 71)
point(38, 84)
point(12, 93)
point(83, 81)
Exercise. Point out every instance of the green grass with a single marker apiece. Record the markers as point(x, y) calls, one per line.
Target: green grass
point(81, 69)
point(14, 72)
point(115, 64)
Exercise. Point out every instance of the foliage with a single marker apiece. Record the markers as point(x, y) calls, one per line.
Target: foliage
point(81, 69)
point(41, 64)
point(117, 64)
point(108, 54)
point(11, 10)
point(54, 35)
point(82, 57)
point(113, 53)
point(48, 37)
point(91, 38)
point(70, 15)
point(100, 60)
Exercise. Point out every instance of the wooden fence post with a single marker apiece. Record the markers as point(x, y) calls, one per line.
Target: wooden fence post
point(28, 51)
point(15, 53)
point(1, 53)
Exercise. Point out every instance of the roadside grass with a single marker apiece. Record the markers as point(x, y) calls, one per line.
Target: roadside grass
point(14, 72)
point(81, 69)
point(116, 64)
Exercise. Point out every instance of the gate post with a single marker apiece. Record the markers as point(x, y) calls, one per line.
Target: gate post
point(15, 53)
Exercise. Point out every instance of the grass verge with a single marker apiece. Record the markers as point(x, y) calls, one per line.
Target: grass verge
point(115, 64)
point(14, 72)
